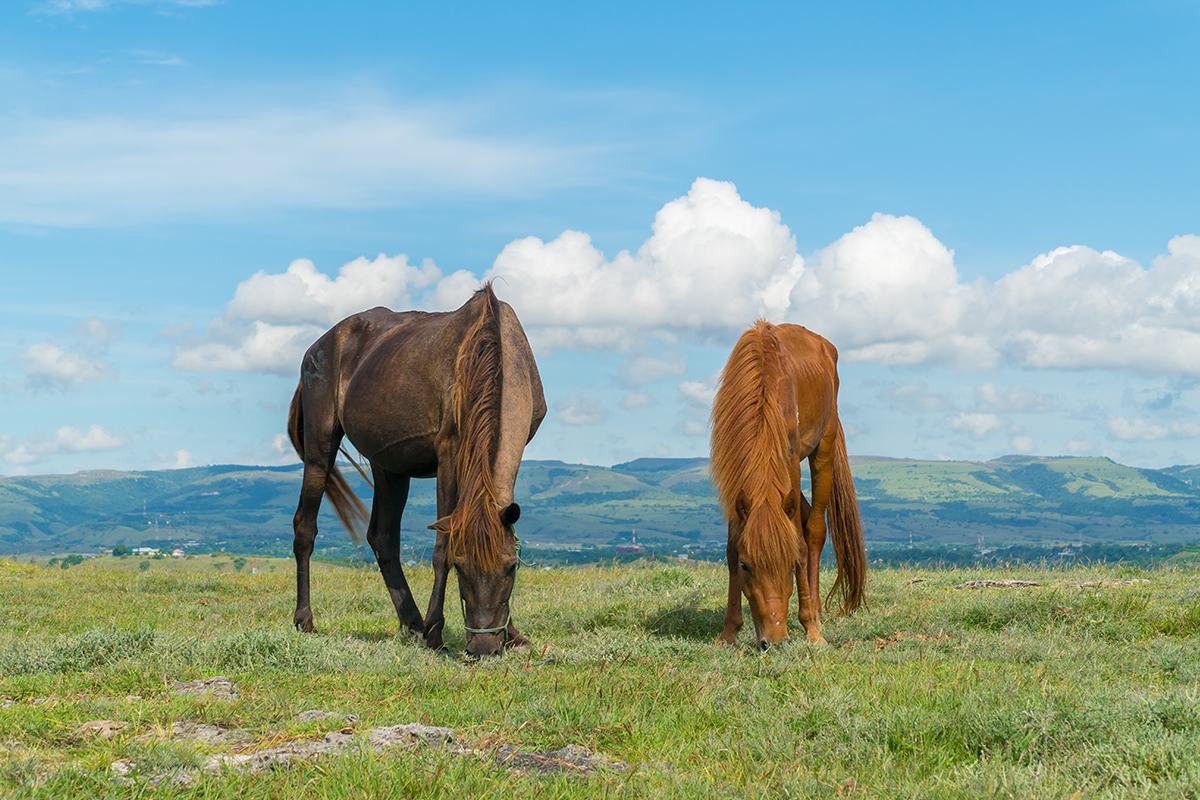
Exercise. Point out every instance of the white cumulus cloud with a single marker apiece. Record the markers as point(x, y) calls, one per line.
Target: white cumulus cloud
point(699, 394)
point(1136, 429)
point(305, 294)
point(67, 439)
point(977, 425)
point(273, 318)
point(1076, 308)
point(714, 260)
point(49, 366)
point(889, 292)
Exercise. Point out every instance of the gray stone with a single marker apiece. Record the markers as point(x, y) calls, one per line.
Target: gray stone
point(326, 716)
point(218, 687)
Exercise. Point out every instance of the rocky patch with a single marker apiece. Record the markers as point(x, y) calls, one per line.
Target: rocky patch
point(238, 754)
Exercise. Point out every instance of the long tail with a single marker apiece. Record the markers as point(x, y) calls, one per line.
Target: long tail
point(349, 509)
point(846, 526)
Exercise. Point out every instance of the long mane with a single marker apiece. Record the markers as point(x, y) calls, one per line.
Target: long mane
point(473, 527)
point(749, 447)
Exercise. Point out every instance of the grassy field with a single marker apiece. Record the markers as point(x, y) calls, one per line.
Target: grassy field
point(1087, 686)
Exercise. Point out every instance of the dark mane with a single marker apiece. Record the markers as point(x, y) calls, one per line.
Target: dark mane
point(474, 528)
point(749, 446)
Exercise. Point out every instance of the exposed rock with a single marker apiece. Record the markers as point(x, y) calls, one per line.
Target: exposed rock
point(570, 759)
point(1110, 584)
point(218, 687)
point(203, 733)
point(277, 757)
point(911, 581)
point(326, 716)
point(412, 733)
point(990, 584)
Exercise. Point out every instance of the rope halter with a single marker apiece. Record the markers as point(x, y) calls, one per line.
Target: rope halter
point(507, 619)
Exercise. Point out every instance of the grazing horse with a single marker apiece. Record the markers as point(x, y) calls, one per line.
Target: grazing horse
point(776, 405)
point(453, 395)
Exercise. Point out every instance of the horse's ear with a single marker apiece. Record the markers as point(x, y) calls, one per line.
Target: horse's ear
point(742, 506)
point(510, 515)
point(789, 504)
point(441, 526)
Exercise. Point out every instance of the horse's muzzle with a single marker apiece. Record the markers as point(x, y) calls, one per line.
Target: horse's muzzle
point(764, 645)
point(486, 644)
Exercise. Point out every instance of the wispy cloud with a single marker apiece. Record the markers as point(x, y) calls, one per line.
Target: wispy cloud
point(579, 410)
point(54, 7)
point(106, 169)
point(158, 59)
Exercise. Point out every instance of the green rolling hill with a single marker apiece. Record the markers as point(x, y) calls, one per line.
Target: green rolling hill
point(584, 512)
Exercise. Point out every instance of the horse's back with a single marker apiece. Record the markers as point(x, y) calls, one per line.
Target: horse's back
point(394, 372)
point(812, 366)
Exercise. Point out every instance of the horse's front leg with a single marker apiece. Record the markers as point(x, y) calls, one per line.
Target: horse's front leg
point(435, 616)
point(383, 534)
point(447, 499)
point(733, 605)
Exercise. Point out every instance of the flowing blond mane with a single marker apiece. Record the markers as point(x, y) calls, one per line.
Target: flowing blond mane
point(750, 446)
point(473, 527)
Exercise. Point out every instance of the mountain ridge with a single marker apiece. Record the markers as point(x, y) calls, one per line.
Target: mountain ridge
point(669, 502)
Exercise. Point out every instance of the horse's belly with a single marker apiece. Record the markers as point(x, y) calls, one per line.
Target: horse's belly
point(414, 459)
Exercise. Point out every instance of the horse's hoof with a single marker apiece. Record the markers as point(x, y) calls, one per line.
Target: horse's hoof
point(304, 624)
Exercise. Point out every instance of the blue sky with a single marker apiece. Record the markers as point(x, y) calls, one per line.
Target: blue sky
point(992, 212)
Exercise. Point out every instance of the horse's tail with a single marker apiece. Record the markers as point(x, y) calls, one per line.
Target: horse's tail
point(349, 509)
point(846, 526)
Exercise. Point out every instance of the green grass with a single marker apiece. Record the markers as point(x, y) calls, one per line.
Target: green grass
point(932, 692)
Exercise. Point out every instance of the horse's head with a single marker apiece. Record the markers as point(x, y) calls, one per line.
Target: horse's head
point(767, 555)
point(485, 586)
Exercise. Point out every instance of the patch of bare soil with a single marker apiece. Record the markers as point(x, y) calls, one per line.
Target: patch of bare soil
point(990, 584)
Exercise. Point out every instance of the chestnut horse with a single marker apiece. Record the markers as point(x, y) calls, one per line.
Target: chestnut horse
point(775, 406)
point(452, 395)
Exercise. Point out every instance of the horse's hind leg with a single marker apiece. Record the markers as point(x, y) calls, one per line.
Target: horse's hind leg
point(320, 449)
point(821, 467)
point(383, 534)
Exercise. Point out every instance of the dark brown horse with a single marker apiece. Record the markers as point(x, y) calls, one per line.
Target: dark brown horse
point(777, 405)
point(452, 395)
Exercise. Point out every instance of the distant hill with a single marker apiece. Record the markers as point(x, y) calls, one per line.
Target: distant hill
point(669, 502)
